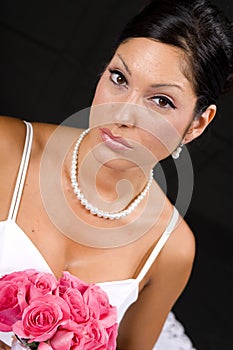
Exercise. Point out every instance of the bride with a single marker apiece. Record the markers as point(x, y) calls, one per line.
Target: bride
point(86, 201)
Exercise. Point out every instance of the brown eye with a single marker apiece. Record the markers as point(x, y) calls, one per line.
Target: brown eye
point(163, 102)
point(117, 77)
point(120, 80)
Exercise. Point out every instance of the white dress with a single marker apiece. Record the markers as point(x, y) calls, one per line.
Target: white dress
point(17, 252)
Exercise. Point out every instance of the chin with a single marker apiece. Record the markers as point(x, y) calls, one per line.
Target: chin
point(120, 164)
point(116, 163)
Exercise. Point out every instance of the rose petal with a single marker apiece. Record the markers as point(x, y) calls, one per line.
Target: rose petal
point(62, 340)
point(44, 346)
point(68, 280)
point(41, 318)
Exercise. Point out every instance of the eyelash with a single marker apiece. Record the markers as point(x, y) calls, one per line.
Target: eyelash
point(115, 71)
point(169, 102)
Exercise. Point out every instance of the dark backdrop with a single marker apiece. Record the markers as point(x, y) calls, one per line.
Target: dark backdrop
point(51, 54)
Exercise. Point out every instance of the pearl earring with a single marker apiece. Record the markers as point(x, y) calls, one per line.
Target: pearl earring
point(176, 152)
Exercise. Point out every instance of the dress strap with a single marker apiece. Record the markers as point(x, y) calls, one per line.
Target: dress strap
point(14, 207)
point(155, 252)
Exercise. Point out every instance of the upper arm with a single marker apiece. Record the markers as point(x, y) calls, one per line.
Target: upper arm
point(167, 278)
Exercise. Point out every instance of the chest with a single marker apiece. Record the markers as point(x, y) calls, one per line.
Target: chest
point(90, 250)
point(60, 242)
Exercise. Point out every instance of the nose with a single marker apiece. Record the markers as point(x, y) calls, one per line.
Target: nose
point(124, 115)
point(126, 112)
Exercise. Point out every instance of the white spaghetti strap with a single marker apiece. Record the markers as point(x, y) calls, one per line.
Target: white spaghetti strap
point(155, 252)
point(14, 207)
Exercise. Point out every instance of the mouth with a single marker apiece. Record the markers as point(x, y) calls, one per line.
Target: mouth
point(114, 142)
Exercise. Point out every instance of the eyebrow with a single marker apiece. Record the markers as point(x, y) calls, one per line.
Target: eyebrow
point(167, 85)
point(124, 64)
point(153, 85)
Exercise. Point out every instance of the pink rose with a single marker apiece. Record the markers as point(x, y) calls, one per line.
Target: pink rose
point(69, 281)
point(12, 286)
point(95, 336)
point(63, 315)
point(38, 284)
point(41, 318)
point(44, 346)
point(45, 283)
point(30, 284)
point(18, 276)
point(89, 336)
point(9, 307)
point(78, 308)
point(98, 301)
point(69, 335)
point(112, 336)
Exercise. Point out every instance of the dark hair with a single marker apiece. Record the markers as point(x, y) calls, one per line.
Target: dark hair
point(202, 31)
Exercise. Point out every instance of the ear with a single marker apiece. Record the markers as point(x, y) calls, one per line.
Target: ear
point(198, 125)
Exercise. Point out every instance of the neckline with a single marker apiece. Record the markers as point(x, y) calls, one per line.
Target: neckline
point(145, 268)
point(12, 222)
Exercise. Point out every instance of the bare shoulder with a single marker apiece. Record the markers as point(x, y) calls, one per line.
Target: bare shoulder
point(53, 139)
point(12, 139)
point(181, 243)
point(163, 284)
point(179, 251)
point(173, 266)
point(12, 136)
point(12, 131)
point(170, 271)
point(42, 133)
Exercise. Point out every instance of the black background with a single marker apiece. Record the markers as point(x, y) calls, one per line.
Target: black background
point(51, 54)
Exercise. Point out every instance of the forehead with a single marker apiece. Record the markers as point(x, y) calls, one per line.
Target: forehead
point(154, 59)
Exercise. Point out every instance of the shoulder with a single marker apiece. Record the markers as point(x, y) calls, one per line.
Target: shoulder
point(167, 276)
point(173, 266)
point(180, 244)
point(12, 137)
point(180, 248)
point(170, 272)
point(13, 133)
point(11, 129)
point(52, 141)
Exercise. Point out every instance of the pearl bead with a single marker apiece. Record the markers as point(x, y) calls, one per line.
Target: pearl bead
point(80, 196)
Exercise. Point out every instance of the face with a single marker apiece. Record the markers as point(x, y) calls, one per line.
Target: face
point(143, 104)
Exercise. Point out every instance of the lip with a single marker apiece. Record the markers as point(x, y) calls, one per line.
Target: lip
point(116, 143)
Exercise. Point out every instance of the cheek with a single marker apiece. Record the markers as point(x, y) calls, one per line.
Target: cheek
point(160, 147)
point(172, 130)
point(161, 134)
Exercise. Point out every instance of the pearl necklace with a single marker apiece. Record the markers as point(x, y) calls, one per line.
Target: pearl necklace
point(93, 210)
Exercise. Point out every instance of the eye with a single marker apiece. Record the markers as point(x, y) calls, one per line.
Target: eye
point(163, 102)
point(117, 77)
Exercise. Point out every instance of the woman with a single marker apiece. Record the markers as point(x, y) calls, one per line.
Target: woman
point(106, 219)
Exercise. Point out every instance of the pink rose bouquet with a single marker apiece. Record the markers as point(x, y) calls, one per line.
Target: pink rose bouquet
point(47, 314)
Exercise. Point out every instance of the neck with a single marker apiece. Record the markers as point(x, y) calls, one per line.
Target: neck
point(111, 186)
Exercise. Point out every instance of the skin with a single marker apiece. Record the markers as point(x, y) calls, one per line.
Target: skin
point(125, 81)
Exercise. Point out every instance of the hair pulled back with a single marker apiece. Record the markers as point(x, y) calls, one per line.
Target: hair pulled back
point(201, 31)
